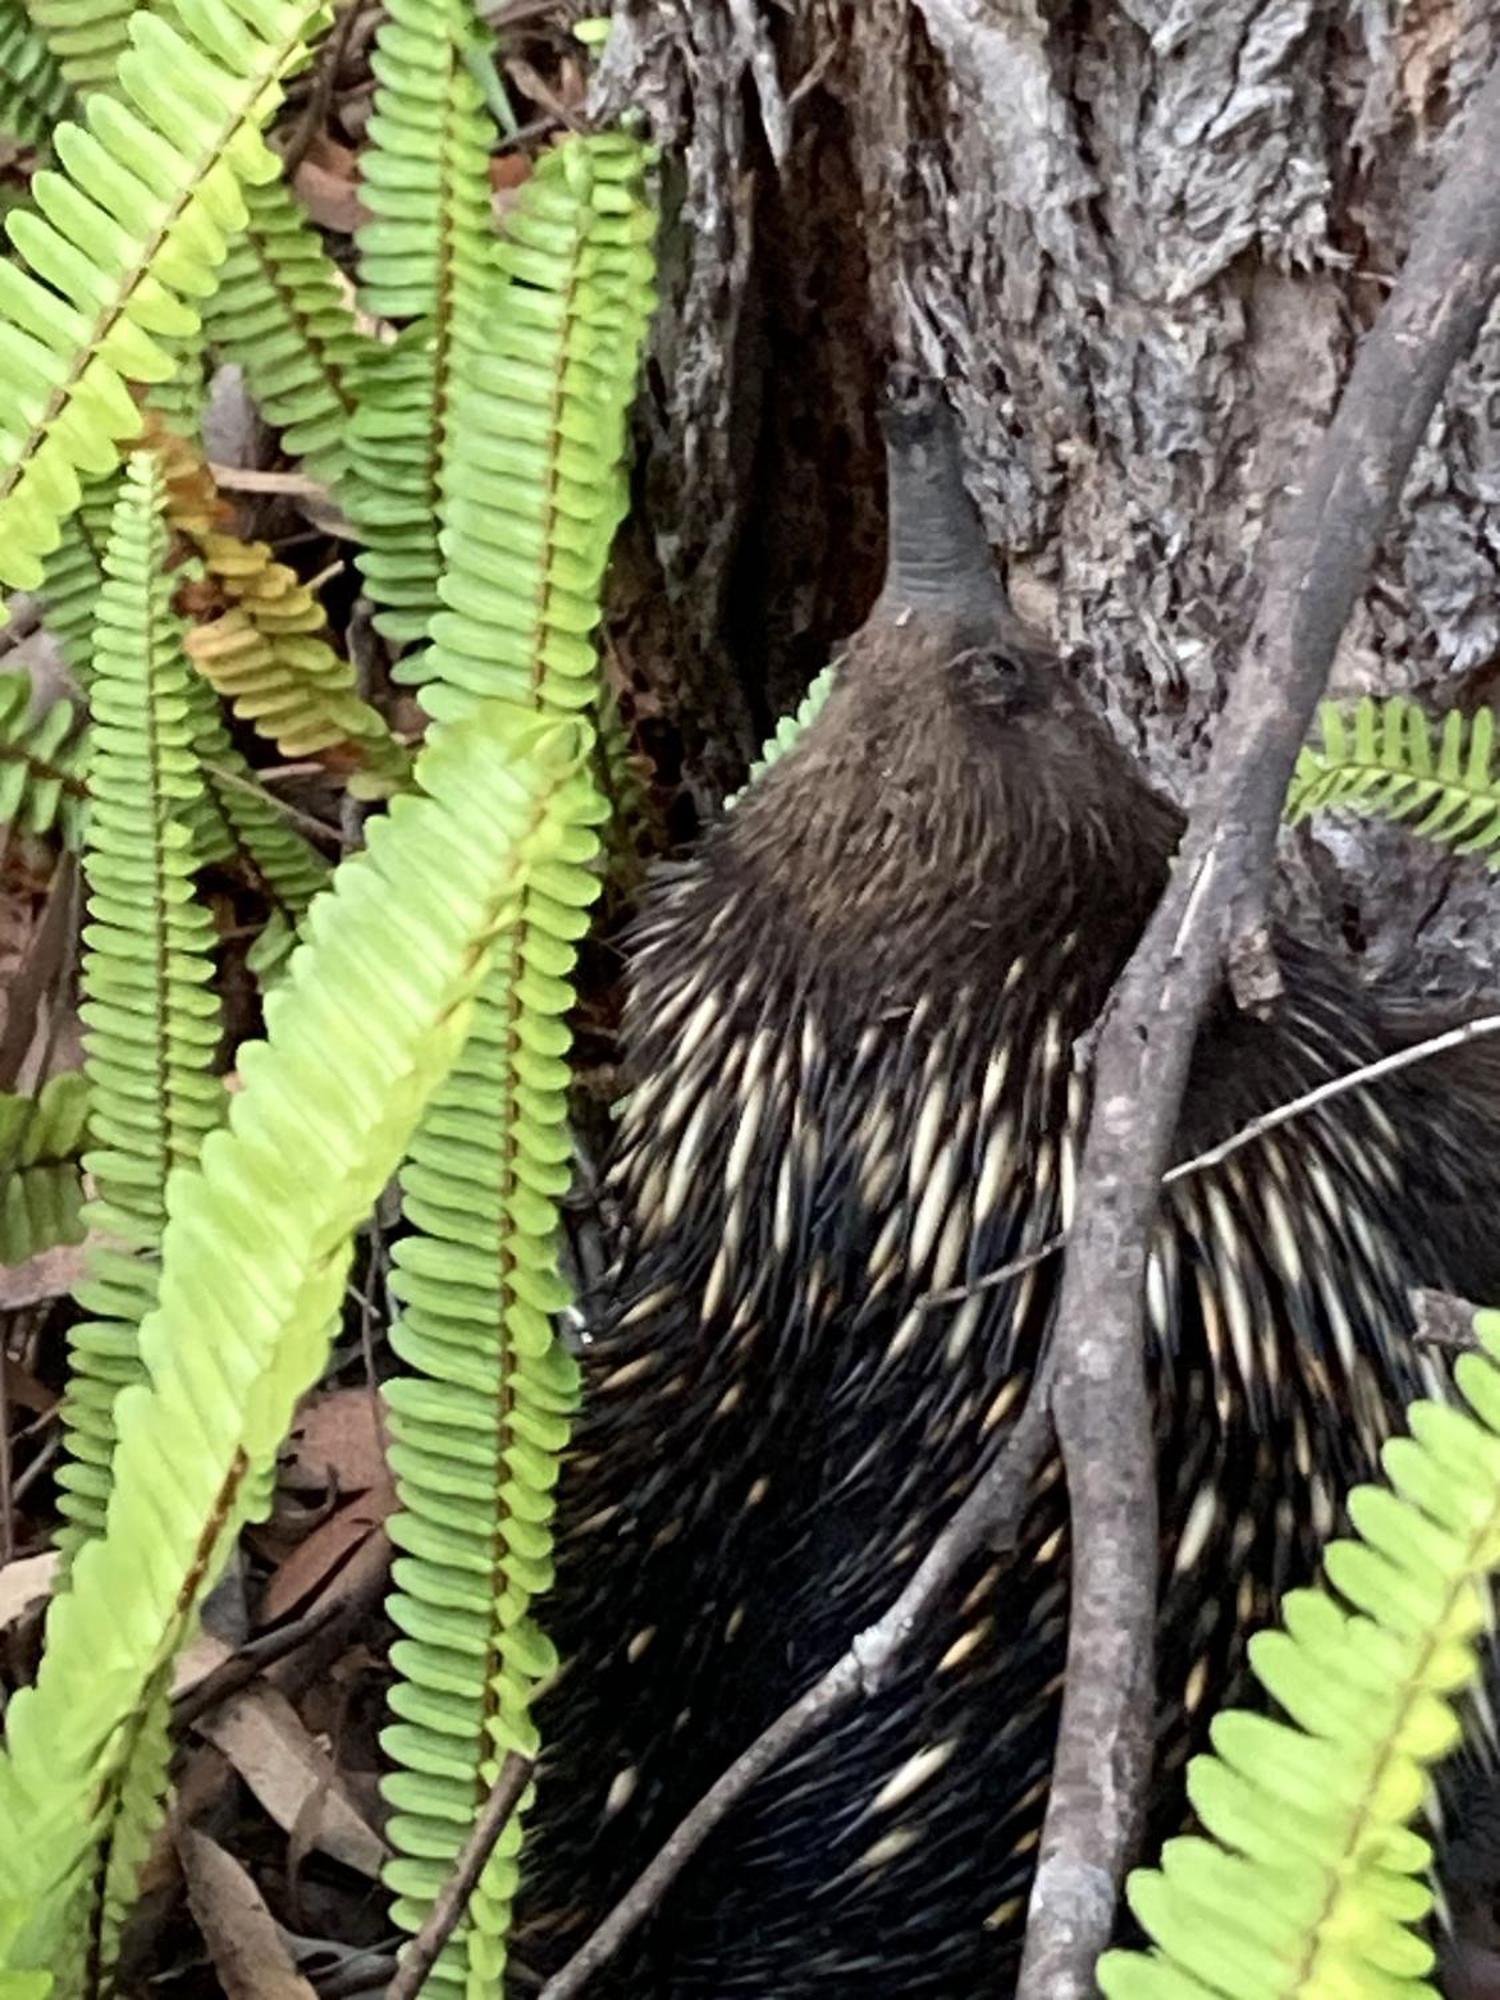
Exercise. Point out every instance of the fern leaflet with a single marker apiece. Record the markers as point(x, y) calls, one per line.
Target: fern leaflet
point(1389, 759)
point(133, 227)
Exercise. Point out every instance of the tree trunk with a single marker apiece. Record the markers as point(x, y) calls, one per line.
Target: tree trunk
point(1140, 241)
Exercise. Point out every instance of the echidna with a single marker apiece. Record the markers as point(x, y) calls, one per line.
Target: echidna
point(850, 1032)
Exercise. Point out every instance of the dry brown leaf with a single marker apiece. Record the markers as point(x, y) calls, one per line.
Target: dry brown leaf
point(196, 1662)
point(315, 1566)
point(50, 1274)
point(330, 197)
point(23, 1582)
point(22, 1389)
point(293, 1777)
point(336, 1441)
point(242, 1938)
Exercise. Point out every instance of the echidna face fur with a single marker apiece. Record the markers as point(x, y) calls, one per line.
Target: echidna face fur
point(851, 1025)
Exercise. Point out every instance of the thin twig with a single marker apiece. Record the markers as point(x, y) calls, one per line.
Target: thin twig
point(1315, 567)
point(426, 1948)
point(1310, 1100)
point(1257, 1128)
point(990, 1517)
point(315, 828)
point(251, 479)
point(311, 118)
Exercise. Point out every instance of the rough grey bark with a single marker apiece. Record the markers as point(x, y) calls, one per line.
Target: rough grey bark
point(1138, 238)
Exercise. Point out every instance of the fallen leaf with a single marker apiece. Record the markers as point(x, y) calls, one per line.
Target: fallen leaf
point(314, 1565)
point(196, 1662)
point(330, 199)
point(23, 1389)
point(23, 1582)
point(50, 1274)
point(242, 1936)
point(336, 1441)
point(293, 1777)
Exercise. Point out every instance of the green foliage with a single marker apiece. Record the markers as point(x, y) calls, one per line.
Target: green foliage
point(41, 782)
point(279, 314)
point(1309, 1885)
point(1389, 759)
point(118, 242)
point(241, 819)
point(789, 729)
point(86, 38)
point(531, 503)
point(435, 966)
point(479, 1421)
point(41, 1193)
point(151, 1023)
point(255, 1255)
point(73, 573)
point(531, 498)
point(33, 89)
point(424, 255)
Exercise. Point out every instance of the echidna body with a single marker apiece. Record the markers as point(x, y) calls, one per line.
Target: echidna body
point(851, 1032)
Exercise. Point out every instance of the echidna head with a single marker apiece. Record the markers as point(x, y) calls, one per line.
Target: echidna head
point(955, 749)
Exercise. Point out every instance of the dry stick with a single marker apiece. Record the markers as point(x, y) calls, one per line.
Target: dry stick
point(990, 1517)
point(1315, 567)
point(1267, 1121)
point(426, 1948)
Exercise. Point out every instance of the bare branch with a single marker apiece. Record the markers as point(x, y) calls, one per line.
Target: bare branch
point(426, 1948)
point(990, 1517)
point(1213, 912)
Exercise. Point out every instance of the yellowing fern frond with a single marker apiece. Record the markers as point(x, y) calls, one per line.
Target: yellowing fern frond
point(268, 653)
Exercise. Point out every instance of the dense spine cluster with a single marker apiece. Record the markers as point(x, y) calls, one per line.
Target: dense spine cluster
point(851, 1029)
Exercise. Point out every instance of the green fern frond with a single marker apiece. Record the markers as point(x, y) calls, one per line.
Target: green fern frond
point(41, 1193)
point(535, 490)
point(41, 761)
point(73, 574)
point(1310, 1883)
point(424, 255)
point(255, 1256)
point(479, 1421)
point(151, 1024)
point(424, 176)
point(532, 495)
point(280, 314)
point(117, 242)
point(283, 866)
point(86, 37)
point(1390, 759)
point(787, 731)
point(33, 89)
point(18, 1985)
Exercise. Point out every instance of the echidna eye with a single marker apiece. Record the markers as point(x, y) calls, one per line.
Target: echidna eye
point(990, 675)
